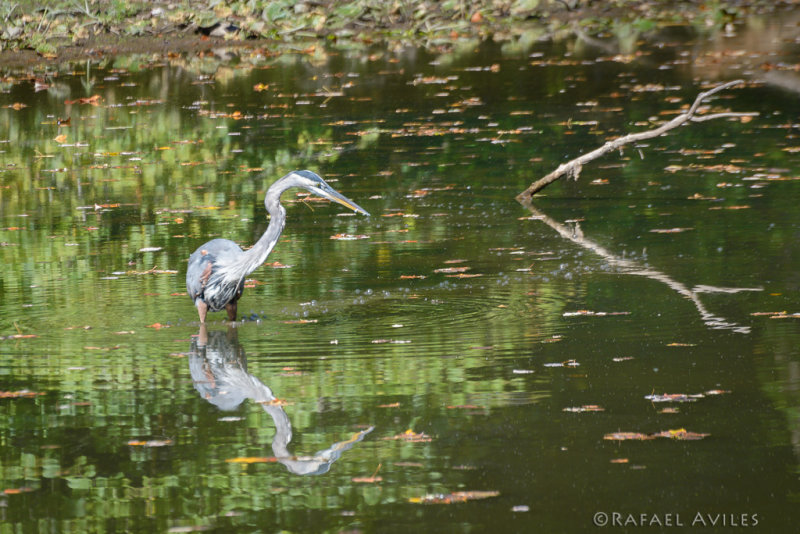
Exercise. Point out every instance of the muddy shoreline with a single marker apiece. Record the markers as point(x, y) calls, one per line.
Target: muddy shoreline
point(549, 20)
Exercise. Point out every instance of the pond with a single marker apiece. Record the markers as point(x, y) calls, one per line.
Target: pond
point(624, 354)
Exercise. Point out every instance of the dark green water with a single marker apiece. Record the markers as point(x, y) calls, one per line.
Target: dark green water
point(129, 426)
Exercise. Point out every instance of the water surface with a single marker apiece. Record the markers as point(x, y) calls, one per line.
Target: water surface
point(452, 347)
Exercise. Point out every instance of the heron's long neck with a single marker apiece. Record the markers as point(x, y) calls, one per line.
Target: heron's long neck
point(252, 259)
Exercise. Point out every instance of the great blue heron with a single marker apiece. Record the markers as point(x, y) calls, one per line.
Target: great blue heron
point(217, 269)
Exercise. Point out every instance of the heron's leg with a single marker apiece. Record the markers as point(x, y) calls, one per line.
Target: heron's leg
point(231, 309)
point(202, 310)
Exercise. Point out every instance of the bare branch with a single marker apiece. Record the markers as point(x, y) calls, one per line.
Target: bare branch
point(573, 167)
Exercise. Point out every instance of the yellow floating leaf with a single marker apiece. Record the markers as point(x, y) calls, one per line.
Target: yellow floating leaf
point(60, 138)
point(252, 460)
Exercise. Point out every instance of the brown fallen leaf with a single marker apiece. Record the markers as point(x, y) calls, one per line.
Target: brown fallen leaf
point(680, 434)
point(16, 491)
point(24, 393)
point(450, 498)
point(410, 436)
point(93, 100)
point(451, 270)
point(627, 436)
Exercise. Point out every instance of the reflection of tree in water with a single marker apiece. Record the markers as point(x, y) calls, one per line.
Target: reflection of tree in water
point(218, 367)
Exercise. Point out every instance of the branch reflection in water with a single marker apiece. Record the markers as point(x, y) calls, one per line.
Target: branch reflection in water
point(626, 266)
point(218, 366)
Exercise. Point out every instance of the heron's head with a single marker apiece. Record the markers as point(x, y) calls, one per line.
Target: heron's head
point(314, 183)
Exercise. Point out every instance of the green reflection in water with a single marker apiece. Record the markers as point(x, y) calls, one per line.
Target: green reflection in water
point(441, 316)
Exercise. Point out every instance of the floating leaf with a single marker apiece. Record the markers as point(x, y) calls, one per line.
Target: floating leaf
point(16, 491)
point(349, 237)
point(673, 397)
point(568, 363)
point(683, 397)
point(584, 408)
point(410, 436)
point(450, 498)
point(669, 230)
point(590, 313)
point(93, 100)
point(151, 443)
point(627, 436)
point(60, 138)
point(252, 460)
point(24, 393)
point(680, 434)
point(451, 270)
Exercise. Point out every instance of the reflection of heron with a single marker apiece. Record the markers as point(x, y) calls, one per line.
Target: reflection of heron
point(219, 371)
point(216, 272)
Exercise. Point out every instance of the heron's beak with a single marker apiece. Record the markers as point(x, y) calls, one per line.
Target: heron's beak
point(335, 196)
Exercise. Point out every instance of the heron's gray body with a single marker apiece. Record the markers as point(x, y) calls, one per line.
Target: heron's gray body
point(203, 274)
point(217, 269)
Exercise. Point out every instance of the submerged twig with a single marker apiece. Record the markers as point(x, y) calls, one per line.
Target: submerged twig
point(573, 167)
